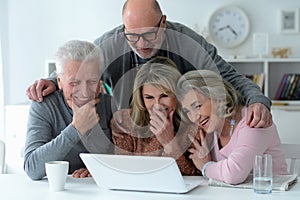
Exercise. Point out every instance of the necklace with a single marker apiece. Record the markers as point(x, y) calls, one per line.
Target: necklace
point(232, 123)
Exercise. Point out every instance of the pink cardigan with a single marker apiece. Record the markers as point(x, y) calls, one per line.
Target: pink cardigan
point(235, 160)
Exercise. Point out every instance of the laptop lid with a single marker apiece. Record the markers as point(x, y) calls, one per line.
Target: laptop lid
point(137, 173)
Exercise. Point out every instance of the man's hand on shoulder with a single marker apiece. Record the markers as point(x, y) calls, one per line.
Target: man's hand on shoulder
point(259, 116)
point(39, 89)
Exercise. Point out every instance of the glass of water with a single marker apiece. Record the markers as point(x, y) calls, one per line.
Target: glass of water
point(262, 174)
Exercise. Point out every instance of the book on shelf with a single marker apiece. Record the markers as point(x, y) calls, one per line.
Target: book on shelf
point(257, 78)
point(283, 95)
point(281, 86)
point(296, 92)
point(280, 182)
point(293, 86)
point(289, 87)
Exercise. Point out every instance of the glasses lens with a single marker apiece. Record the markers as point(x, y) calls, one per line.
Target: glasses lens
point(132, 37)
point(150, 36)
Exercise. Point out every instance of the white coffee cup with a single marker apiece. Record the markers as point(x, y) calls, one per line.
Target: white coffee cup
point(262, 174)
point(57, 172)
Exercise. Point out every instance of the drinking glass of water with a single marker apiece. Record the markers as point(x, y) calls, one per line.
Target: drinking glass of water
point(262, 174)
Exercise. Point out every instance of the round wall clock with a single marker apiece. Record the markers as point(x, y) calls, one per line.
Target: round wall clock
point(229, 26)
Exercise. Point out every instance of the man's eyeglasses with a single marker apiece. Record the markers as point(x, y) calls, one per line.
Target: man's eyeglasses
point(148, 36)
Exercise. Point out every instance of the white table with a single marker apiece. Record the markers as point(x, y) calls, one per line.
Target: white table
point(13, 186)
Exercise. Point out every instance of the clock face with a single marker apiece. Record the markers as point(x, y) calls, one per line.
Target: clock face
point(229, 26)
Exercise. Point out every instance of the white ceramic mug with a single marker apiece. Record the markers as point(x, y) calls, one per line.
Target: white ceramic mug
point(57, 172)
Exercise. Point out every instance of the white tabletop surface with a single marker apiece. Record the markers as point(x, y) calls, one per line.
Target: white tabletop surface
point(13, 186)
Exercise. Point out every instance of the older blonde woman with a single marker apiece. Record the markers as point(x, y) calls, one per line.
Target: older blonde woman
point(215, 106)
point(152, 126)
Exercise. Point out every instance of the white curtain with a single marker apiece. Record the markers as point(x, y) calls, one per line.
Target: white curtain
point(1, 97)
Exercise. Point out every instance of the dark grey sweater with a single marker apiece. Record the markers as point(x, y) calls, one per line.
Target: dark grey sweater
point(50, 135)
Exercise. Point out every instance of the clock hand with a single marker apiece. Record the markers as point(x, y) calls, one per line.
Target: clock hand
point(222, 28)
point(232, 30)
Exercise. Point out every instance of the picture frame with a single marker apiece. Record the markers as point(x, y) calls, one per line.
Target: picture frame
point(49, 67)
point(260, 44)
point(289, 21)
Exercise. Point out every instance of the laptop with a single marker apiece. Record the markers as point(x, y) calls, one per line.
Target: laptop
point(138, 173)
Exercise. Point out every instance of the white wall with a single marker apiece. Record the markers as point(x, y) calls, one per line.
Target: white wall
point(35, 28)
point(3, 44)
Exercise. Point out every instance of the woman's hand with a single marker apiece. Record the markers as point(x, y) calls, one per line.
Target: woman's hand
point(161, 124)
point(81, 173)
point(200, 152)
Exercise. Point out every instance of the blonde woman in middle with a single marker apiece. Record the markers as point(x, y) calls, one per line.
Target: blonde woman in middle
point(152, 126)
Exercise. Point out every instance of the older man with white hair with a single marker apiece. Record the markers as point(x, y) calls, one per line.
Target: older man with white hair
point(73, 119)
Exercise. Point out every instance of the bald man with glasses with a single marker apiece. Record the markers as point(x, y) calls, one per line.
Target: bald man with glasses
point(146, 33)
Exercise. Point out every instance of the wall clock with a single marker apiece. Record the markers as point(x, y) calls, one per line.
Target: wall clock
point(229, 26)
